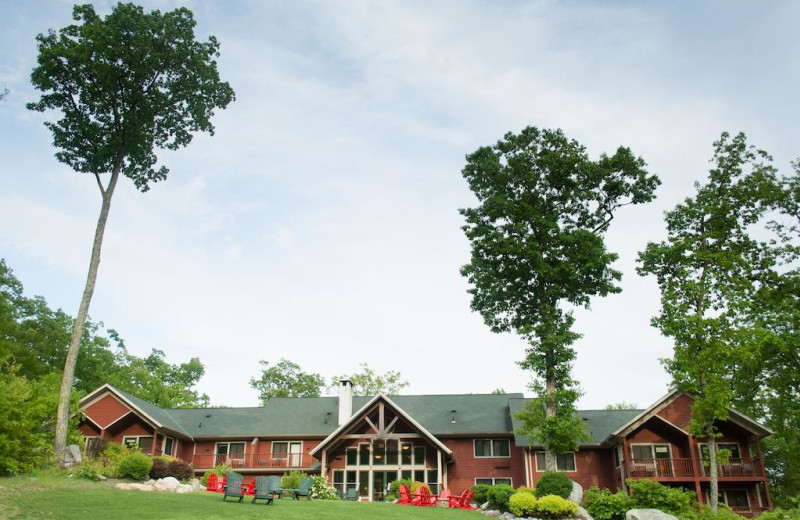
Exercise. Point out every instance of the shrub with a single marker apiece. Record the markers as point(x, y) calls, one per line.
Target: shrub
point(90, 470)
point(394, 487)
point(417, 486)
point(554, 483)
point(180, 470)
point(554, 506)
point(604, 505)
point(526, 489)
point(522, 504)
point(481, 491)
point(723, 513)
point(219, 470)
point(320, 489)
point(135, 465)
point(781, 514)
point(647, 493)
point(499, 495)
point(111, 456)
point(159, 469)
point(291, 480)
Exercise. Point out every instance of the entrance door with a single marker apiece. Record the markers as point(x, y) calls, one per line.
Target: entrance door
point(295, 454)
point(378, 485)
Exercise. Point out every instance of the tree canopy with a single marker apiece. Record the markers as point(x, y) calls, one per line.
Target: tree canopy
point(125, 85)
point(537, 248)
point(368, 382)
point(715, 262)
point(286, 379)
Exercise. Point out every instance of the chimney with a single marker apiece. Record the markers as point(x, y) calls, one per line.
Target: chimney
point(345, 400)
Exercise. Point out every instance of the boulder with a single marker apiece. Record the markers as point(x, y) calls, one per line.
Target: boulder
point(184, 488)
point(583, 514)
point(72, 456)
point(648, 514)
point(167, 484)
point(576, 495)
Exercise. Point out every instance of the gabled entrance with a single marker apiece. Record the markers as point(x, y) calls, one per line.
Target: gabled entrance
point(378, 444)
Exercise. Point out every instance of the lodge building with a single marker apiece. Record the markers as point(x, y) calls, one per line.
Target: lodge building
point(446, 441)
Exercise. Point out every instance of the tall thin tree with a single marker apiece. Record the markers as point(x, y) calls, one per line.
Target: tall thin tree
point(125, 85)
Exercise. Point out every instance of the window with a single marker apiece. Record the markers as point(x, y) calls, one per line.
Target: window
point(651, 451)
point(352, 456)
point(492, 448)
point(737, 498)
point(168, 446)
point(363, 454)
point(564, 461)
point(493, 481)
point(733, 447)
point(616, 456)
point(145, 444)
point(433, 481)
point(287, 453)
point(232, 452)
point(419, 455)
point(406, 453)
point(338, 480)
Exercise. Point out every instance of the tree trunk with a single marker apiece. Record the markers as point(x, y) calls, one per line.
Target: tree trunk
point(713, 474)
point(550, 461)
point(68, 378)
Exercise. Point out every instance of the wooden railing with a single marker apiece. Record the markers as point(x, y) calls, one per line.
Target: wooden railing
point(749, 512)
point(668, 468)
point(255, 460)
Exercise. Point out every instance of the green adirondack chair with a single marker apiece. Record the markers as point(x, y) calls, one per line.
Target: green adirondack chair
point(274, 486)
point(304, 490)
point(233, 488)
point(262, 490)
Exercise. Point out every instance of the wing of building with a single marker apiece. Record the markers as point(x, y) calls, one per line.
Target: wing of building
point(447, 441)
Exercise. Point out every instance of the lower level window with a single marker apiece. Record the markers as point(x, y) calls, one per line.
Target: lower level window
point(145, 444)
point(564, 461)
point(493, 481)
point(736, 498)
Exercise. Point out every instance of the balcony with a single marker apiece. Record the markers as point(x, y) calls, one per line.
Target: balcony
point(256, 461)
point(676, 469)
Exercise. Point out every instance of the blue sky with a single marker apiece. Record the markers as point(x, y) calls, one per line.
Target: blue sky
point(320, 223)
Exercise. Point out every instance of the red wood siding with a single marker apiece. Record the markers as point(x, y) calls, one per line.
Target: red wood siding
point(462, 473)
point(656, 432)
point(88, 429)
point(106, 410)
point(678, 412)
point(593, 467)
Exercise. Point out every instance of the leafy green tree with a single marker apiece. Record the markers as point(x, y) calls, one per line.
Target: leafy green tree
point(125, 85)
point(286, 379)
point(156, 381)
point(710, 270)
point(367, 382)
point(622, 405)
point(538, 250)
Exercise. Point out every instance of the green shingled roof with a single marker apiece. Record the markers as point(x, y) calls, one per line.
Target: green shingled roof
point(475, 414)
point(599, 423)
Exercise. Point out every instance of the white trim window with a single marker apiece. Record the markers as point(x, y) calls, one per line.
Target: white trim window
point(564, 462)
point(232, 452)
point(143, 442)
point(733, 447)
point(287, 453)
point(168, 446)
point(491, 481)
point(491, 448)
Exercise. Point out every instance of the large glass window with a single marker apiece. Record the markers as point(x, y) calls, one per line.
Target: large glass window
point(363, 454)
point(338, 481)
point(419, 455)
point(391, 452)
point(407, 453)
point(492, 448)
point(352, 456)
point(144, 443)
point(564, 461)
point(379, 452)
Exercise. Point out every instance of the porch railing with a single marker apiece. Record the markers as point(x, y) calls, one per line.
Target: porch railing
point(668, 468)
point(749, 512)
point(255, 460)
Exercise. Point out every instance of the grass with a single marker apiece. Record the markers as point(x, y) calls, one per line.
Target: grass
point(57, 497)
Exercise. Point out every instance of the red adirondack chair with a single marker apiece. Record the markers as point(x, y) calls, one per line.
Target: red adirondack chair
point(405, 495)
point(424, 498)
point(463, 501)
point(212, 483)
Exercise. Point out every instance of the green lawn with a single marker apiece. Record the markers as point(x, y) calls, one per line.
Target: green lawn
point(61, 498)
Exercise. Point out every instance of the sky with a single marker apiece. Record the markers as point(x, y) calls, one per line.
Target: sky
point(320, 224)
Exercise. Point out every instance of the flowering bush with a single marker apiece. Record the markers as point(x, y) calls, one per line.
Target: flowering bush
point(522, 503)
point(320, 490)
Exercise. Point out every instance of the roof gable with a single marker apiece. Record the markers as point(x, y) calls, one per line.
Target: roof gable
point(362, 416)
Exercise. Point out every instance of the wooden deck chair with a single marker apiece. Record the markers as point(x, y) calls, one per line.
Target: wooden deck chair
point(233, 486)
point(405, 495)
point(463, 501)
point(261, 490)
point(303, 490)
point(212, 484)
point(274, 486)
point(351, 494)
